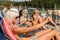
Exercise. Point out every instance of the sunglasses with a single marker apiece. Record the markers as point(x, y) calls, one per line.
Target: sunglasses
point(16, 17)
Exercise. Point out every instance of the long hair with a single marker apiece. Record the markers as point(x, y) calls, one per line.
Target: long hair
point(20, 13)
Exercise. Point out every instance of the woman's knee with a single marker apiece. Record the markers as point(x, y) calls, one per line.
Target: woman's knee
point(49, 35)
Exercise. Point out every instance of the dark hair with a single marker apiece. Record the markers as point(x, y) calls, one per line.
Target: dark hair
point(20, 13)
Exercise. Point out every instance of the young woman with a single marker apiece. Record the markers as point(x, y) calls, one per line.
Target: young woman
point(36, 18)
point(42, 35)
point(39, 19)
point(24, 20)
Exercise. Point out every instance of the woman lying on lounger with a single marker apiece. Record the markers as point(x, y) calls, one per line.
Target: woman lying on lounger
point(38, 19)
point(24, 20)
point(42, 35)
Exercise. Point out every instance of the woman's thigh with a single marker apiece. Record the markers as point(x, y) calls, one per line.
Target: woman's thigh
point(42, 32)
point(49, 36)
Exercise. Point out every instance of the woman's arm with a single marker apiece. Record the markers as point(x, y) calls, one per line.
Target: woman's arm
point(40, 20)
point(49, 18)
point(28, 29)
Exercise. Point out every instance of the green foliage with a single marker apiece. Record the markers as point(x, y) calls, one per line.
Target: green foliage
point(36, 3)
point(6, 3)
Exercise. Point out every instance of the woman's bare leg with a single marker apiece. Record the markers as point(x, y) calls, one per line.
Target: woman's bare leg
point(42, 32)
point(38, 33)
point(45, 36)
point(21, 38)
point(49, 35)
point(49, 19)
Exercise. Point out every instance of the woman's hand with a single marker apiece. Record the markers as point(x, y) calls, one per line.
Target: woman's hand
point(29, 19)
point(28, 23)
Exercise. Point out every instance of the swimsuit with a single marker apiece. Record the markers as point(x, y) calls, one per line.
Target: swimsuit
point(23, 25)
point(25, 20)
point(34, 31)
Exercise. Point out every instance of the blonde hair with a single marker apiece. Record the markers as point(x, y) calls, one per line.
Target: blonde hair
point(10, 15)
